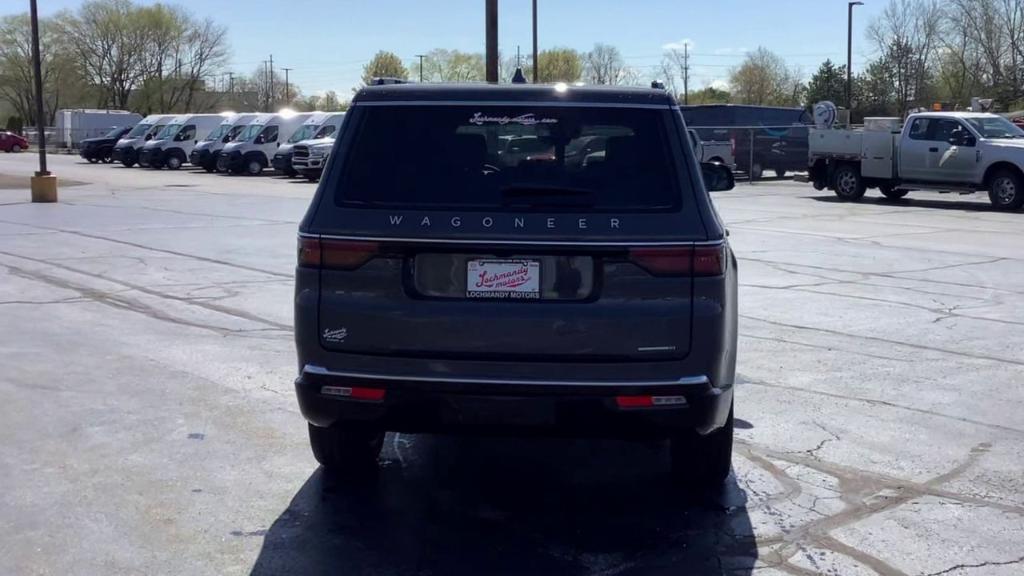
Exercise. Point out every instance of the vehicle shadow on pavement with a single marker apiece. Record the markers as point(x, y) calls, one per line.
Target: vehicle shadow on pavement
point(979, 203)
point(470, 506)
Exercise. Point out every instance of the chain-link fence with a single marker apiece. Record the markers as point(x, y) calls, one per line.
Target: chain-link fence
point(68, 139)
point(757, 152)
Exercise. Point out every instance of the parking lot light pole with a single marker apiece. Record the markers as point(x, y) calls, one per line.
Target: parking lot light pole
point(43, 184)
point(491, 27)
point(849, 56)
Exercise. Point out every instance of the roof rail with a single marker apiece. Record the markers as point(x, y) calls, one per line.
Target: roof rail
point(657, 85)
point(385, 80)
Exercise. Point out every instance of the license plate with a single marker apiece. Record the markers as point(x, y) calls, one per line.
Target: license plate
point(508, 279)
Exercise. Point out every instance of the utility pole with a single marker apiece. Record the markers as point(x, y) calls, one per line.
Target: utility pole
point(287, 87)
point(231, 82)
point(43, 184)
point(849, 55)
point(273, 96)
point(686, 73)
point(265, 99)
point(421, 57)
point(536, 56)
point(491, 27)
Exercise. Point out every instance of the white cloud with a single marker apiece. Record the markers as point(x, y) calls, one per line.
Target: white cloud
point(719, 84)
point(678, 44)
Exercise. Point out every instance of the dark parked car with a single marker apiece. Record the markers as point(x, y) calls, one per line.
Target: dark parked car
point(11, 142)
point(99, 149)
point(779, 135)
point(444, 285)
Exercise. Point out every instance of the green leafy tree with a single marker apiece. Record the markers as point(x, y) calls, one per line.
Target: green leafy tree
point(710, 95)
point(441, 65)
point(559, 65)
point(384, 65)
point(828, 83)
point(763, 78)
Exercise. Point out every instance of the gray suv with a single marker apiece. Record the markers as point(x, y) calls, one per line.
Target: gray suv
point(446, 285)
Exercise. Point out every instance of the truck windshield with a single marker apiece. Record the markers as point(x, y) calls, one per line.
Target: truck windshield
point(995, 127)
point(487, 157)
point(113, 133)
point(168, 132)
point(218, 133)
point(249, 133)
point(305, 133)
point(155, 130)
point(139, 131)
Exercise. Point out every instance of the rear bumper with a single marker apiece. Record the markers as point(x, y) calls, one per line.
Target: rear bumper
point(578, 408)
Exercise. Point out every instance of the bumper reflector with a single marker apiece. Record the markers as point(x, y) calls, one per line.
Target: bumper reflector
point(367, 394)
point(649, 401)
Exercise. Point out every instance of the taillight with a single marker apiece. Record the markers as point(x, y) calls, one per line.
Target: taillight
point(335, 254)
point(680, 260)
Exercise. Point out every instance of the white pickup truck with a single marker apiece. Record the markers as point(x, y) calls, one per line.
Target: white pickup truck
point(957, 152)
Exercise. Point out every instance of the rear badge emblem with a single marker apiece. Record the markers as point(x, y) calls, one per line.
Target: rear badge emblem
point(336, 335)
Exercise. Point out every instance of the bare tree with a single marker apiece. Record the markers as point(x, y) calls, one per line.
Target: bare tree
point(907, 34)
point(604, 65)
point(764, 78)
point(61, 83)
point(443, 65)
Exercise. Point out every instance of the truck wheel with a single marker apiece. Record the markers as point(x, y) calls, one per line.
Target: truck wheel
point(702, 462)
point(848, 183)
point(173, 162)
point(1006, 190)
point(106, 157)
point(253, 167)
point(891, 193)
point(346, 448)
point(93, 160)
point(756, 171)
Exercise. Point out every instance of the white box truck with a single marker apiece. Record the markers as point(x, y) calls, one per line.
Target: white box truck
point(206, 152)
point(74, 125)
point(127, 149)
point(251, 151)
point(951, 152)
point(172, 146)
point(318, 125)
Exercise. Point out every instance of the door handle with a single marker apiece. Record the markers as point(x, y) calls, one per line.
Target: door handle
point(933, 149)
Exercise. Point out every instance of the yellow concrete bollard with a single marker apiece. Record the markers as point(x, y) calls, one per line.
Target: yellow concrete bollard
point(44, 188)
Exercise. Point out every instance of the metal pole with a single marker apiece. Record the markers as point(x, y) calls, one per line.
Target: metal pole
point(491, 26)
point(750, 167)
point(686, 74)
point(287, 87)
point(536, 54)
point(849, 54)
point(38, 81)
point(421, 57)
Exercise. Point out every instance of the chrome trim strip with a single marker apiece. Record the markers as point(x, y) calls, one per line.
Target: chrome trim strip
point(510, 103)
point(509, 242)
point(685, 381)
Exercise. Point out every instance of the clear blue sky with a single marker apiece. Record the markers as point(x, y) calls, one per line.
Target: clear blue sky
point(328, 41)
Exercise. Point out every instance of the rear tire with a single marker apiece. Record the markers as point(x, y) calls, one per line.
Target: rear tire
point(703, 462)
point(891, 193)
point(16, 148)
point(346, 449)
point(93, 160)
point(1006, 190)
point(848, 184)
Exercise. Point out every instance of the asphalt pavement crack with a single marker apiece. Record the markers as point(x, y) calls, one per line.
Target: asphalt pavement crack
point(980, 565)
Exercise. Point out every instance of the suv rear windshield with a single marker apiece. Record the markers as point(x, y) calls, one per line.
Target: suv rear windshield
point(515, 158)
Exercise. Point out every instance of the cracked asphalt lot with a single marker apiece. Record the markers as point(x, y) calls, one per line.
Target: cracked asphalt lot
point(148, 423)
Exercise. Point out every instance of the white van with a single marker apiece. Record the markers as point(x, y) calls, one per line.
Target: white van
point(251, 151)
point(174, 143)
point(318, 125)
point(205, 153)
point(127, 149)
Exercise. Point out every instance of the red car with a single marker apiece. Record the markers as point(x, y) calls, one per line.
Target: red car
point(1018, 121)
point(10, 142)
